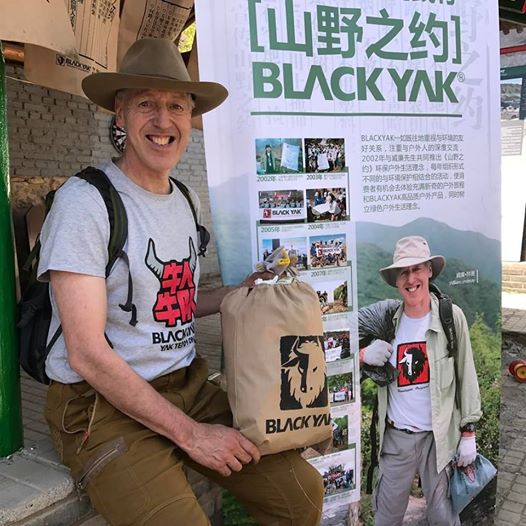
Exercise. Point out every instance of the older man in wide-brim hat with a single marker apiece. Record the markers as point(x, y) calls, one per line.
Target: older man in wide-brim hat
point(127, 416)
point(427, 414)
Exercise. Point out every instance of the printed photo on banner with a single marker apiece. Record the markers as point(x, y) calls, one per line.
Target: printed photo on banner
point(339, 440)
point(471, 278)
point(282, 206)
point(341, 388)
point(324, 155)
point(333, 295)
point(279, 156)
point(337, 345)
point(338, 471)
point(340, 434)
point(294, 245)
point(328, 251)
point(326, 204)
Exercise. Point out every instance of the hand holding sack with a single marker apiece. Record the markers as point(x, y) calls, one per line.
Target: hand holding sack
point(466, 451)
point(377, 353)
point(275, 365)
point(465, 483)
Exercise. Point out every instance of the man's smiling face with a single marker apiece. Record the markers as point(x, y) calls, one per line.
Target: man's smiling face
point(413, 285)
point(158, 127)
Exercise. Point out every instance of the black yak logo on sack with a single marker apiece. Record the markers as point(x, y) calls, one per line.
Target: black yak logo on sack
point(413, 365)
point(303, 378)
point(176, 296)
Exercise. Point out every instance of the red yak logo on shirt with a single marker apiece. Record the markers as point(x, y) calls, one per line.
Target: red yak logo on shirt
point(413, 365)
point(176, 297)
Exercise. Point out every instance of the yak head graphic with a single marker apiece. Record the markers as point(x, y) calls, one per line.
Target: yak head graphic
point(176, 296)
point(303, 375)
point(412, 363)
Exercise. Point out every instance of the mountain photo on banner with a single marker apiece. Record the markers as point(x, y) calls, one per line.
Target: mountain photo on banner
point(464, 251)
point(471, 278)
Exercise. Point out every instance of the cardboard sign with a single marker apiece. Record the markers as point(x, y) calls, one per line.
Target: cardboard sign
point(47, 25)
point(96, 26)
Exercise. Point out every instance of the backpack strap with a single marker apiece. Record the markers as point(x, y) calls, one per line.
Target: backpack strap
point(118, 229)
point(202, 233)
point(445, 311)
point(116, 212)
point(30, 264)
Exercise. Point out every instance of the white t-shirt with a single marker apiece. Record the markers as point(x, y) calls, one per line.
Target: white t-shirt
point(409, 397)
point(161, 247)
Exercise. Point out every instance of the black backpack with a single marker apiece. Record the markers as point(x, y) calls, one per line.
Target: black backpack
point(34, 308)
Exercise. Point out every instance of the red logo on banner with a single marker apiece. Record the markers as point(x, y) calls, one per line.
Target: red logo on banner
point(267, 213)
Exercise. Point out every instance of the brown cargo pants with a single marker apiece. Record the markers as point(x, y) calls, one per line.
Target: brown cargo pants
point(134, 476)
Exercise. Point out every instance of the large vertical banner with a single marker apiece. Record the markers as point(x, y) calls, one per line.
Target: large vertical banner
point(349, 125)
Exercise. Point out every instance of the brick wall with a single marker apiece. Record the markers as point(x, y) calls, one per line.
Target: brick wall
point(52, 135)
point(514, 277)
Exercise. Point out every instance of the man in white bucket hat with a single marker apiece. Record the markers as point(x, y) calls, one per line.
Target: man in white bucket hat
point(422, 425)
point(128, 418)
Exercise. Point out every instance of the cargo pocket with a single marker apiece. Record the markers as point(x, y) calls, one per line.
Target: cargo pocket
point(97, 462)
point(115, 480)
point(447, 372)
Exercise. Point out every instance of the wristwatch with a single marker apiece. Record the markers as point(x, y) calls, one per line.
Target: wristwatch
point(468, 428)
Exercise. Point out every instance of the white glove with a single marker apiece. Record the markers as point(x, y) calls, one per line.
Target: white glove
point(466, 451)
point(377, 353)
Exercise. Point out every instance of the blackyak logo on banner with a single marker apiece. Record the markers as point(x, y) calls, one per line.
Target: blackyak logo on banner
point(303, 377)
point(176, 296)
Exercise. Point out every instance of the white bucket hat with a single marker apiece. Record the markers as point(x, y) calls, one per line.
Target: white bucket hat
point(410, 251)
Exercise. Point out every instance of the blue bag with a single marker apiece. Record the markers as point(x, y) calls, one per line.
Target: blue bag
point(467, 482)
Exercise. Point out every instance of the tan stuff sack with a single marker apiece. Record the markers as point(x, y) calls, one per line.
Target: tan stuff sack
point(275, 365)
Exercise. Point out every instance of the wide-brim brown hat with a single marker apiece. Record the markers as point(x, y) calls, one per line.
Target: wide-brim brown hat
point(410, 251)
point(152, 63)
